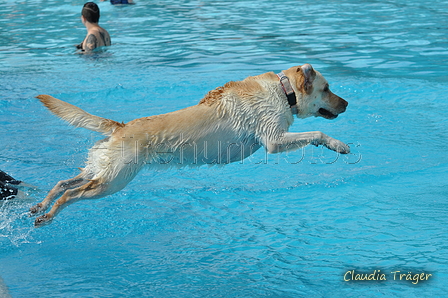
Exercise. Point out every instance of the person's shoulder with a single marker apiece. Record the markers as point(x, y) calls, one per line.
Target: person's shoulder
point(105, 36)
point(98, 30)
point(104, 30)
point(98, 37)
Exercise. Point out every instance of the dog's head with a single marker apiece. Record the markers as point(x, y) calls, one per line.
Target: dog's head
point(314, 97)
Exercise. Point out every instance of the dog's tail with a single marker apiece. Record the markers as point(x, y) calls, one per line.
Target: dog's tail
point(79, 118)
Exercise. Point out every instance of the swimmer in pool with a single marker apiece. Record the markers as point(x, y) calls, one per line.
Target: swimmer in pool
point(96, 35)
point(7, 189)
point(120, 1)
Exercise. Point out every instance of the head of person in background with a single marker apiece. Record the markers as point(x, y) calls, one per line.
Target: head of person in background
point(96, 36)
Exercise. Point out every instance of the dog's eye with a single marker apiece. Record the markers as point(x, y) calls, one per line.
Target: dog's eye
point(326, 88)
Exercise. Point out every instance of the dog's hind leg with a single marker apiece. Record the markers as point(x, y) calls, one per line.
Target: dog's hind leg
point(57, 190)
point(91, 190)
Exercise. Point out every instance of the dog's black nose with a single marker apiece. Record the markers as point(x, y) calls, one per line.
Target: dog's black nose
point(343, 104)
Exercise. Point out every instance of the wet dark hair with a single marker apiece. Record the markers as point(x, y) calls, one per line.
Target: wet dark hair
point(91, 12)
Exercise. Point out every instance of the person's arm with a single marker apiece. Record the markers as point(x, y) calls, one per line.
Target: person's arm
point(91, 43)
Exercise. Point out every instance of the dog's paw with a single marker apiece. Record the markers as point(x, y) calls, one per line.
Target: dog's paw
point(42, 220)
point(36, 208)
point(337, 146)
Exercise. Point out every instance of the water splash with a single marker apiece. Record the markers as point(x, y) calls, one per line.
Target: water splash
point(15, 225)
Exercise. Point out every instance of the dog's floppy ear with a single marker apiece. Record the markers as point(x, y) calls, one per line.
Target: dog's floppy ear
point(308, 76)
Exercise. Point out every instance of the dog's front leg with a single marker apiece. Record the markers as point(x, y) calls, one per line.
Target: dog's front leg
point(292, 141)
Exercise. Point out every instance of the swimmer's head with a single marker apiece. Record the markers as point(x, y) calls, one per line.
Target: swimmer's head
point(91, 12)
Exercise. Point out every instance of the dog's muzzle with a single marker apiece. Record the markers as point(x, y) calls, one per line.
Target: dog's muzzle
point(333, 113)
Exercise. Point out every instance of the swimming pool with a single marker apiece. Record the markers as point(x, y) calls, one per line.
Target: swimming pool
point(287, 226)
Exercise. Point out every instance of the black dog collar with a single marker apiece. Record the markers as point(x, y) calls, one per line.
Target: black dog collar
point(287, 88)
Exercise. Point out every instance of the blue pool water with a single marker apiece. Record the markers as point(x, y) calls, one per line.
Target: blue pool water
point(289, 225)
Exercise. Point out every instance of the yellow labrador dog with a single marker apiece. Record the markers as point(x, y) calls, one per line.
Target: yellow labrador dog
point(229, 124)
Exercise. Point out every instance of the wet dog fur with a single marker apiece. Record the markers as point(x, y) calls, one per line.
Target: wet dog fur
point(229, 124)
